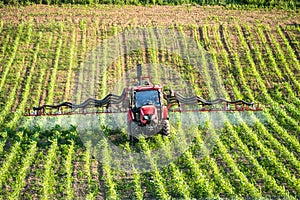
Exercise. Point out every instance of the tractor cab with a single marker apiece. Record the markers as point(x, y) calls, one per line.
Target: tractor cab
point(146, 104)
point(147, 97)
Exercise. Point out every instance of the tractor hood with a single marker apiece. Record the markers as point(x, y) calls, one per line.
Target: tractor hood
point(148, 110)
point(148, 114)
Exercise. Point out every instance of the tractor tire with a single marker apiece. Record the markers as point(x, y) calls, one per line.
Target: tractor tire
point(165, 127)
point(133, 139)
point(131, 126)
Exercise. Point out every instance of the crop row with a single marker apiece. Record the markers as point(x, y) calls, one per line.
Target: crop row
point(257, 159)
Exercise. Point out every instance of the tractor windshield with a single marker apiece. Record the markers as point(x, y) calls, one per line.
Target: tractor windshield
point(148, 97)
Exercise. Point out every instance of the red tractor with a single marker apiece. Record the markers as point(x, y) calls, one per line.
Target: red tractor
point(147, 107)
point(147, 113)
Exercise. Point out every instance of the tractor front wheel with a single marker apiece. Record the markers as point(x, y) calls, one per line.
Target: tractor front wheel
point(132, 126)
point(165, 127)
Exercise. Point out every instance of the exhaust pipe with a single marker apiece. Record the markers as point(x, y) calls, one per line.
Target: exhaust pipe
point(139, 73)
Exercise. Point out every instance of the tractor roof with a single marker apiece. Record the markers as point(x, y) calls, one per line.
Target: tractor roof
point(146, 87)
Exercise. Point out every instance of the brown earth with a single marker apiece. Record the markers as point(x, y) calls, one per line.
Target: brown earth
point(147, 15)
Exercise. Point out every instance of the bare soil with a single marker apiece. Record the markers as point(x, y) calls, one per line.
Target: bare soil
point(147, 15)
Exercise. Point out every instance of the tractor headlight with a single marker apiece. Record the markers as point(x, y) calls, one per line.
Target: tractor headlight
point(146, 117)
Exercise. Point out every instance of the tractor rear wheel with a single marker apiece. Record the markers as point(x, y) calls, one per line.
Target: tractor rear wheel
point(165, 127)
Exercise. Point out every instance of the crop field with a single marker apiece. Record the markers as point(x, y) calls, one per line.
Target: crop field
point(256, 52)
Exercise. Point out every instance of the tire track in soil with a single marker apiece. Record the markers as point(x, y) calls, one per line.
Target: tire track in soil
point(79, 181)
point(33, 179)
point(102, 190)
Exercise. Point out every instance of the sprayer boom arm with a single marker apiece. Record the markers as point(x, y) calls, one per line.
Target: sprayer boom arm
point(185, 104)
point(68, 108)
